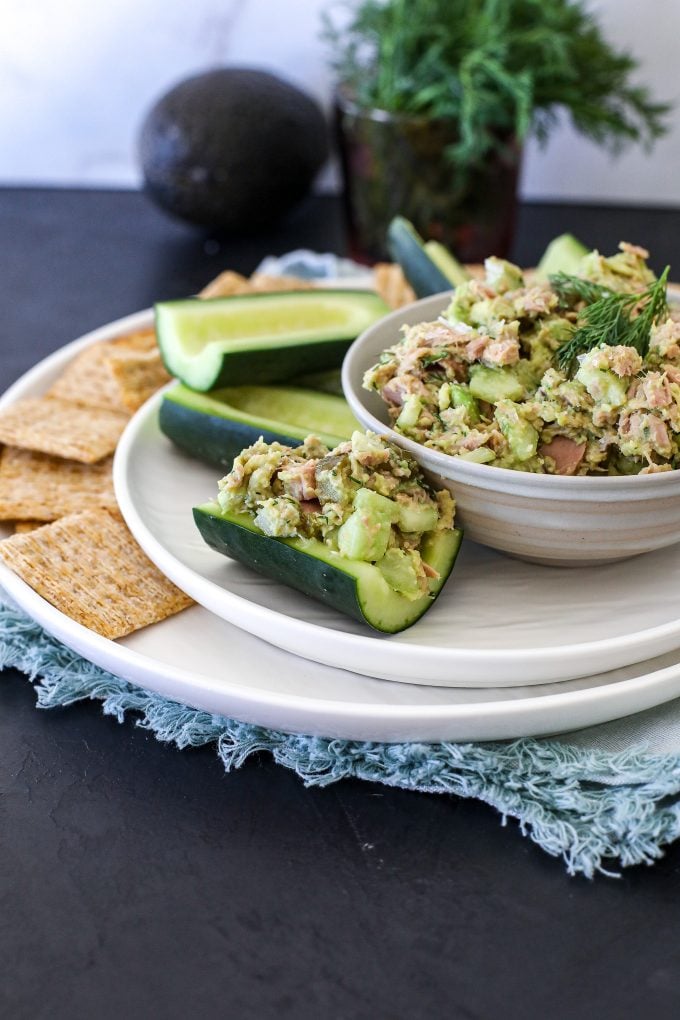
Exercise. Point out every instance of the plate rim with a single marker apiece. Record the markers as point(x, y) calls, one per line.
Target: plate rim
point(646, 690)
point(56, 622)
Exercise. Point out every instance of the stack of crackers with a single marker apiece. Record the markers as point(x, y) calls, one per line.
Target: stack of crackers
point(388, 281)
point(70, 543)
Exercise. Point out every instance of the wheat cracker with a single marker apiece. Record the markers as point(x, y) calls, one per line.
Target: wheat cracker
point(88, 379)
point(266, 283)
point(225, 285)
point(89, 567)
point(37, 486)
point(140, 340)
point(23, 527)
point(229, 284)
point(137, 375)
point(391, 284)
point(62, 428)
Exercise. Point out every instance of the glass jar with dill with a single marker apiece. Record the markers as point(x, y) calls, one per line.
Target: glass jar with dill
point(436, 97)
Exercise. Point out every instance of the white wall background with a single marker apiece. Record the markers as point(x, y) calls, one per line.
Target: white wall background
point(76, 77)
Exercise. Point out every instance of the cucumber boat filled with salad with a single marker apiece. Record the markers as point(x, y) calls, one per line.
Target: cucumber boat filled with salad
point(358, 528)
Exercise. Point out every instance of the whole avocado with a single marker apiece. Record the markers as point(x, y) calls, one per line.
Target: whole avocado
point(233, 149)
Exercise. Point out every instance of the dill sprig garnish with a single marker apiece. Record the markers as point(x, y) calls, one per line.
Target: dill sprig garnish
point(572, 289)
point(615, 318)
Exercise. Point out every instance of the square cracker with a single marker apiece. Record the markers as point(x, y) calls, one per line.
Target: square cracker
point(89, 567)
point(391, 284)
point(35, 486)
point(136, 375)
point(88, 378)
point(22, 527)
point(62, 428)
point(142, 340)
point(265, 282)
point(230, 283)
point(226, 284)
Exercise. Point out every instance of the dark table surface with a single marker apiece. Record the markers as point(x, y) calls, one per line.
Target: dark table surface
point(139, 881)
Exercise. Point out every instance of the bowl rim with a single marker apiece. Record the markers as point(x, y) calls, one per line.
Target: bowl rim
point(481, 475)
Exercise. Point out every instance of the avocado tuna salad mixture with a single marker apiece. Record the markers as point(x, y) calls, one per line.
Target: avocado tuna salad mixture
point(366, 499)
point(578, 375)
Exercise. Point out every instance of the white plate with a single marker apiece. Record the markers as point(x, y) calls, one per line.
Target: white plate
point(499, 622)
point(200, 660)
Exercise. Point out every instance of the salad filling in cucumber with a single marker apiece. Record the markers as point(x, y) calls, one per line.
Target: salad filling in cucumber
point(359, 528)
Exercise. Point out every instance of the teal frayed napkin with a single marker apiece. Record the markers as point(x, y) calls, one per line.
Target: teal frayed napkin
point(597, 799)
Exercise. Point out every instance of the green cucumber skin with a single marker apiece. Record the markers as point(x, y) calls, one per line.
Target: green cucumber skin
point(214, 431)
point(271, 365)
point(281, 561)
point(212, 439)
point(562, 255)
point(419, 269)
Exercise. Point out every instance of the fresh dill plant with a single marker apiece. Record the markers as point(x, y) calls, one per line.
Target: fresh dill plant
point(612, 318)
point(499, 68)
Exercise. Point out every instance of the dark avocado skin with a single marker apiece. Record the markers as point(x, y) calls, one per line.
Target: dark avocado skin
point(233, 149)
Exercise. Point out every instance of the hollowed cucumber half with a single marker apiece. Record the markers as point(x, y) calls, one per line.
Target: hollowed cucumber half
point(428, 266)
point(215, 427)
point(261, 338)
point(563, 255)
point(354, 587)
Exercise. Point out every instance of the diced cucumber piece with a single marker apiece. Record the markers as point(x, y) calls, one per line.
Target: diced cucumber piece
point(604, 387)
point(333, 482)
point(366, 532)
point(521, 435)
point(482, 455)
point(462, 397)
point(376, 506)
point(364, 538)
point(416, 516)
point(522, 439)
point(398, 569)
point(410, 412)
point(494, 384)
point(502, 275)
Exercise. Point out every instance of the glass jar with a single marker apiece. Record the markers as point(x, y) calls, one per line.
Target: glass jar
point(397, 165)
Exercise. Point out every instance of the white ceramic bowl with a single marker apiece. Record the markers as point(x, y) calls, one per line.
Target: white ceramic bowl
point(559, 521)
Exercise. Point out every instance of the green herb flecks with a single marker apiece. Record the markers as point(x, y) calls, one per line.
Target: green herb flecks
point(434, 358)
point(614, 319)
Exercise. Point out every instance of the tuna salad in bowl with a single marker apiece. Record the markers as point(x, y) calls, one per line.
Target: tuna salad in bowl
point(550, 408)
